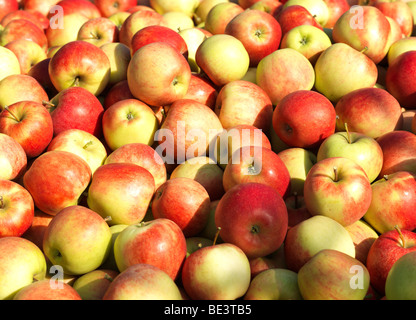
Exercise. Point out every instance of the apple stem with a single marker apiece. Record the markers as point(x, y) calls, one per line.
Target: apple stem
point(11, 113)
point(216, 236)
point(87, 145)
point(48, 104)
point(336, 174)
point(401, 235)
point(386, 177)
point(364, 50)
point(107, 277)
point(76, 82)
point(348, 133)
point(108, 218)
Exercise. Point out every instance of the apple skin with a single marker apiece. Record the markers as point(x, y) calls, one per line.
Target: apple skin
point(398, 11)
point(17, 207)
point(129, 121)
point(252, 216)
point(118, 91)
point(42, 290)
point(241, 102)
point(398, 152)
point(164, 6)
point(72, 23)
point(363, 150)
point(121, 191)
point(159, 242)
point(119, 56)
point(13, 158)
point(28, 53)
point(363, 236)
point(293, 16)
point(303, 242)
point(327, 276)
point(193, 37)
point(370, 111)
point(31, 15)
point(202, 280)
point(110, 7)
point(57, 179)
point(37, 229)
point(220, 15)
point(232, 65)
point(336, 9)
point(401, 279)
point(203, 9)
point(259, 32)
point(158, 83)
point(384, 252)
point(40, 73)
point(21, 263)
point(400, 46)
point(110, 262)
point(298, 127)
point(344, 195)
point(9, 63)
point(142, 282)
point(184, 201)
point(393, 202)
point(296, 209)
point(257, 164)
point(94, 284)
point(330, 70)
point(85, 7)
point(143, 155)
point(284, 71)
point(317, 8)
point(23, 29)
point(201, 89)
point(98, 31)
point(7, 7)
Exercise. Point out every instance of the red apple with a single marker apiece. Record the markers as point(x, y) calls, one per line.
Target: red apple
point(98, 31)
point(76, 108)
point(336, 9)
point(30, 124)
point(17, 208)
point(159, 242)
point(296, 210)
point(184, 201)
point(384, 252)
point(84, 7)
point(12, 158)
point(7, 6)
point(57, 179)
point(293, 16)
point(202, 89)
point(23, 29)
point(41, 6)
point(304, 119)
point(399, 11)
point(40, 73)
point(110, 7)
point(220, 15)
point(363, 236)
point(252, 216)
point(38, 227)
point(119, 91)
point(259, 32)
point(23, 14)
point(43, 290)
point(27, 52)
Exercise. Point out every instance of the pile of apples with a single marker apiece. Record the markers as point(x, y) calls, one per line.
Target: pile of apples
point(207, 149)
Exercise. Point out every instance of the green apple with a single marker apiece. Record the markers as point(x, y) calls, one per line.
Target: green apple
point(317, 8)
point(274, 284)
point(164, 6)
point(401, 279)
point(362, 149)
point(222, 58)
point(21, 262)
point(333, 275)
point(412, 5)
point(193, 38)
point(400, 46)
point(298, 161)
point(78, 239)
point(94, 284)
point(177, 21)
point(119, 56)
point(110, 262)
point(355, 70)
point(203, 8)
point(119, 17)
point(250, 75)
point(196, 243)
point(308, 40)
point(312, 235)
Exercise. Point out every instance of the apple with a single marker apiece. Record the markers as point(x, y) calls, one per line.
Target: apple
point(64, 27)
point(220, 15)
point(56, 180)
point(137, 21)
point(274, 284)
point(27, 52)
point(98, 31)
point(78, 239)
point(400, 46)
point(21, 263)
point(362, 149)
point(84, 7)
point(201, 89)
point(81, 143)
point(234, 57)
point(203, 8)
point(392, 202)
point(307, 238)
point(109, 7)
point(177, 20)
point(257, 164)
point(274, 260)
point(17, 208)
point(385, 251)
point(259, 32)
point(110, 262)
point(193, 37)
point(271, 7)
point(43, 290)
point(408, 116)
point(8, 6)
point(205, 171)
point(296, 209)
point(369, 111)
point(363, 236)
point(37, 229)
point(284, 71)
point(93, 285)
point(252, 216)
point(142, 282)
point(365, 29)
point(333, 275)
point(40, 6)
point(29, 14)
point(308, 40)
point(160, 82)
point(122, 192)
point(202, 279)
point(9, 63)
point(247, 100)
point(20, 87)
point(40, 73)
point(23, 28)
point(401, 279)
point(185, 201)
point(91, 67)
point(116, 92)
point(119, 17)
point(250, 75)
point(164, 6)
point(395, 34)
point(336, 8)
point(119, 56)
point(302, 128)
point(398, 152)
point(355, 70)
point(189, 130)
point(398, 79)
point(317, 8)
point(159, 242)
point(13, 158)
point(129, 121)
point(293, 16)
point(398, 11)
